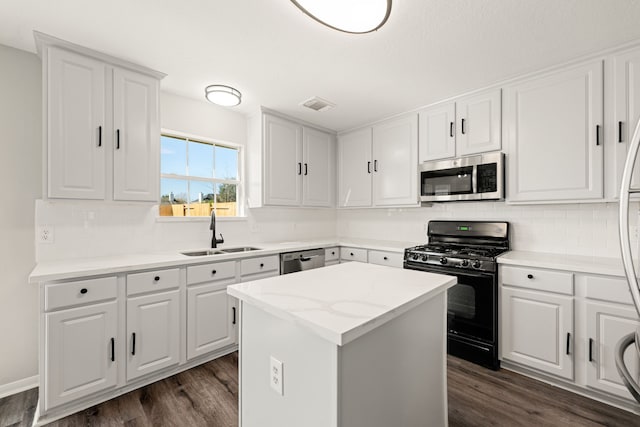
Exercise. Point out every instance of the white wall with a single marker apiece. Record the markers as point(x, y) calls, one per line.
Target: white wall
point(20, 175)
point(579, 229)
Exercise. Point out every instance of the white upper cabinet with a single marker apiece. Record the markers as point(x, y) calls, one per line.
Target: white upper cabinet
point(76, 125)
point(470, 125)
point(298, 164)
point(437, 132)
point(318, 168)
point(102, 134)
point(136, 163)
point(478, 127)
point(283, 161)
point(625, 113)
point(553, 133)
point(354, 169)
point(395, 162)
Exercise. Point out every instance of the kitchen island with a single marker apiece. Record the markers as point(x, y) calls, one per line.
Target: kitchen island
point(343, 346)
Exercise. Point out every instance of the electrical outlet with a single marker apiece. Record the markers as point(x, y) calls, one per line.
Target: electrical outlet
point(45, 234)
point(275, 375)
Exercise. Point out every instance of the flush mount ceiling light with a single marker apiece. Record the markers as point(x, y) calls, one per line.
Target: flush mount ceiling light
point(349, 16)
point(223, 95)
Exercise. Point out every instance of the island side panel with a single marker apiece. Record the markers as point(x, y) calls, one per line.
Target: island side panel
point(396, 375)
point(309, 373)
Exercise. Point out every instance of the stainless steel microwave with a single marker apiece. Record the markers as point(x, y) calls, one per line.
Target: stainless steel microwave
point(479, 177)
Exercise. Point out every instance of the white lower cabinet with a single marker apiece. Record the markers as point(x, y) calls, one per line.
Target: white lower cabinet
point(537, 330)
point(153, 333)
point(80, 352)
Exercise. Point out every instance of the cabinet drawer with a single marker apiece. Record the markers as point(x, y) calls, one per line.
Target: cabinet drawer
point(152, 281)
point(608, 289)
point(331, 254)
point(534, 278)
point(353, 254)
point(259, 265)
point(60, 295)
point(211, 272)
point(391, 259)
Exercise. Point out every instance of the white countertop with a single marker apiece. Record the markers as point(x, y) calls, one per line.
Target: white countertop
point(342, 302)
point(80, 267)
point(576, 263)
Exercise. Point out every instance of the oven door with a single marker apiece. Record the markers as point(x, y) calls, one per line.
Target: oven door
point(471, 307)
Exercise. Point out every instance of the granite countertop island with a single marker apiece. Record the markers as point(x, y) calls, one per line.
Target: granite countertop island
point(348, 345)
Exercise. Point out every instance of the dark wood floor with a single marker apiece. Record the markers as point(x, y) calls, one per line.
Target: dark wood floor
point(208, 396)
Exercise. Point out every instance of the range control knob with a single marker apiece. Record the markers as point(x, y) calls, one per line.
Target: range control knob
point(443, 260)
point(414, 256)
point(464, 263)
point(425, 257)
point(476, 264)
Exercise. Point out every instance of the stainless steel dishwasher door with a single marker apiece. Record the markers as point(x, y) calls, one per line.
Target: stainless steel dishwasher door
point(292, 262)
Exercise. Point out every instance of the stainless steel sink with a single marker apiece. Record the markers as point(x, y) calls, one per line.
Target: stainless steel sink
point(203, 253)
point(242, 249)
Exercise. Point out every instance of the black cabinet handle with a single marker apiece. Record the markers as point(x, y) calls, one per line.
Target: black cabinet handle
point(451, 126)
point(590, 350)
point(299, 168)
point(597, 134)
point(113, 349)
point(261, 265)
point(351, 254)
point(99, 136)
point(133, 344)
point(385, 258)
point(462, 126)
point(368, 167)
point(213, 272)
point(529, 276)
point(83, 291)
point(333, 253)
point(375, 166)
point(234, 315)
point(619, 131)
point(306, 169)
point(118, 139)
point(156, 279)
point(568, 341)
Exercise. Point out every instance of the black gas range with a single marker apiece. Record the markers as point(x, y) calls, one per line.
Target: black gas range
point(467, 250)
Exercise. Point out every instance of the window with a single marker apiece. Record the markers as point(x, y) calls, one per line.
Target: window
point(197, 176)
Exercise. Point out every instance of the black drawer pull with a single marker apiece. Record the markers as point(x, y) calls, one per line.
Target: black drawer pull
point(133, 344)
point(333, 253)
point(568, 341)
point(529, 276)
point(261, 265)
point(385, 258)
point(83, 291)
point(156, 279)
point(234, 315)
point(113, 349)
point(213, 272)
point(590, 350)
point(351, 254)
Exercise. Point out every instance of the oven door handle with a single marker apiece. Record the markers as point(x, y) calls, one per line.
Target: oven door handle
point(474, 179)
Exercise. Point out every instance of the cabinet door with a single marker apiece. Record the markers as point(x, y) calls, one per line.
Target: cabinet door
point(395, 162)
point(478, 128)
point(136, 155)
point(282, 162)
point(606, 325)
point(75, 126)
point(437, 132)
point(354, 168)
point(551, 127)
point(79, 358)
point(152, 333)
point(210, 316)
point(537, 330)
point(626, 112)
point(318, 171)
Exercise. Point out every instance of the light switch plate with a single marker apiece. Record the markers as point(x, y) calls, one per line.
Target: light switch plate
point(275, 375)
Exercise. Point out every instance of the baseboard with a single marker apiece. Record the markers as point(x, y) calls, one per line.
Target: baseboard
point(18, 386)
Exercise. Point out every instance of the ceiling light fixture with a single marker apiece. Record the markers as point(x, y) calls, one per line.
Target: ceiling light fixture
point(349, 16)
point(223, 95)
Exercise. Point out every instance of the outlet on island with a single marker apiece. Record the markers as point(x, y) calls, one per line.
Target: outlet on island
point(275, 375)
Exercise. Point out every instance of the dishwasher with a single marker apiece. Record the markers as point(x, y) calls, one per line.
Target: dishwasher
point(291, 262)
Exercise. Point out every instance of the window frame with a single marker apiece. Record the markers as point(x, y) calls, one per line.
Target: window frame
point(239, 182)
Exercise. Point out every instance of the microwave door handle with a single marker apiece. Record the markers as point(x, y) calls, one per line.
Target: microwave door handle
point(474, 179)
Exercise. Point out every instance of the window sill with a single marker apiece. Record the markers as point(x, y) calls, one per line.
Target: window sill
point(200, 218)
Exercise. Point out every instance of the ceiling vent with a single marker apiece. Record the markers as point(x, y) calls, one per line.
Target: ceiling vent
point(318, 104)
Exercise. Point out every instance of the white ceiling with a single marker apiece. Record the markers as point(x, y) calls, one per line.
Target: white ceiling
point(277, 56)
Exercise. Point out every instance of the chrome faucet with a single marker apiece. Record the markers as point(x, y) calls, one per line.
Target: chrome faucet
point(212, 227)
